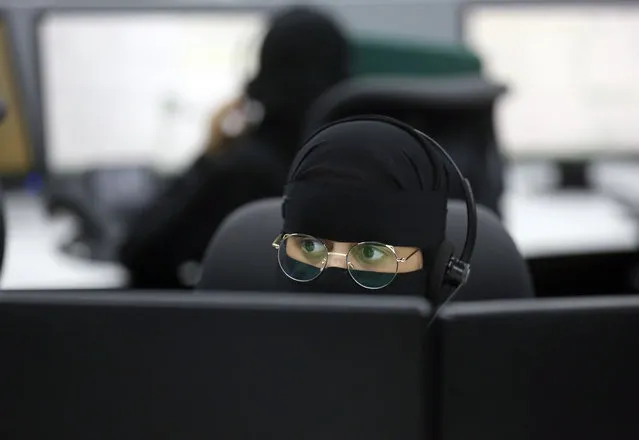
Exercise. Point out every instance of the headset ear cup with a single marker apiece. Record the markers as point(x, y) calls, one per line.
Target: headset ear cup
point(436, 284)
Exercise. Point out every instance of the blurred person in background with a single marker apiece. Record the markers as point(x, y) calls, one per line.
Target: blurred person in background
point(252, 143)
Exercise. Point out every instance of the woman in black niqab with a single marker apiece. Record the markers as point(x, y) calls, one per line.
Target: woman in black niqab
point(368, 179)
point(303, 54)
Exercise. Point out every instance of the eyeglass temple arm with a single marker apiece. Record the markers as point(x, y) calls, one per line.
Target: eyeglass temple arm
point(405, 259)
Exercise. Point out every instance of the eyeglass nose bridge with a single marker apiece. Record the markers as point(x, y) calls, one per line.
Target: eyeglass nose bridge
point(339, 254)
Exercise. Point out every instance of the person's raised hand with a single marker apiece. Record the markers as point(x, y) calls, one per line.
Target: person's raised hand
point(227, 123)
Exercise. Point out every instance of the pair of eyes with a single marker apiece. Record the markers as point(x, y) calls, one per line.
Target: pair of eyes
point(365, 254)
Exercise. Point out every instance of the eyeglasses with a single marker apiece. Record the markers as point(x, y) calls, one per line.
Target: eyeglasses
point(370, 264)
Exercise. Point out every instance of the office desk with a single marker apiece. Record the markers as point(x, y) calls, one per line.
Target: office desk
point(621, 183)
point(32, 259)
point(569, 223)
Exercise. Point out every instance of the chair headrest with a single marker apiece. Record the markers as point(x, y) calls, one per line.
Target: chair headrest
point(363, 94)
point(240, 256)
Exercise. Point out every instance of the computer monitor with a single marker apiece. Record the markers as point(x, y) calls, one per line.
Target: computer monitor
point(571, 69)
point(223, 366)
point(539, 369)
point(136, 88)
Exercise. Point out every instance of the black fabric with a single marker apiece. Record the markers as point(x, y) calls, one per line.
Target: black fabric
point(336, 280)
point(303, 54)
point(177, 228)
point(371, 151)
point(427, 213)
point(393, 178)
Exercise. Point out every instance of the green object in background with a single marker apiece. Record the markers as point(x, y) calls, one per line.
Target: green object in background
point(376, 56)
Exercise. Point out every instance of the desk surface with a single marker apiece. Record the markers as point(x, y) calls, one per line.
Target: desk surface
point(32, 259)
point(569, 223)
point(541, 224)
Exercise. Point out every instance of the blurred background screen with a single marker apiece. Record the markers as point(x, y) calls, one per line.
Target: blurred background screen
point(169, 69)
point(15, 158)
point(571, 71)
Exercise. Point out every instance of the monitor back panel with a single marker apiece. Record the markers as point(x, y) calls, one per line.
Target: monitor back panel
point(544, 369)
point(94, 366)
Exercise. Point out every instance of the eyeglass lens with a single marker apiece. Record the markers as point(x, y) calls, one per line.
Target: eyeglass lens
point(302, 257)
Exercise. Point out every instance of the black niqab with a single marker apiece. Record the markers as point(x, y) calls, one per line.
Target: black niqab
point(368, 179)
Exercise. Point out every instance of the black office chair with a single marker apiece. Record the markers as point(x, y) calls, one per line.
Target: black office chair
point(544, 369)
point(456, 111)
point(240, 256)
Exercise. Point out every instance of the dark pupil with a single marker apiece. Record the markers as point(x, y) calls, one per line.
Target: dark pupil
point(309, 246)
point(368, 252)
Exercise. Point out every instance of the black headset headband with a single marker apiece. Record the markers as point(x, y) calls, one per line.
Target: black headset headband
point(459, 267)
point(469, 198)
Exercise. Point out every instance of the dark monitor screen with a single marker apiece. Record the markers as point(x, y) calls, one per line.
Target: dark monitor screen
point(540, 369)
point(241, 366)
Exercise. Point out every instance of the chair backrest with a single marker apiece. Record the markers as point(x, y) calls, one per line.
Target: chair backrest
point(541, 369)
point(226, 366)
point(240, 256)
point(455, 111)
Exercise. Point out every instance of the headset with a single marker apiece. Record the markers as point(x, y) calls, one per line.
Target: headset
point(449, 273)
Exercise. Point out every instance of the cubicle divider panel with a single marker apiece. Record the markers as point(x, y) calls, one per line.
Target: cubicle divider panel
point(240, 366)
point(539, 369)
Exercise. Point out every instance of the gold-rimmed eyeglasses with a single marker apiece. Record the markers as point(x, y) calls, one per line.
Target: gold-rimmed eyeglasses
point(370, 264)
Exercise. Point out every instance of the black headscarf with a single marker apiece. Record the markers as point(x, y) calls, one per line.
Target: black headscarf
point(303, 54)
point(368, 179)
